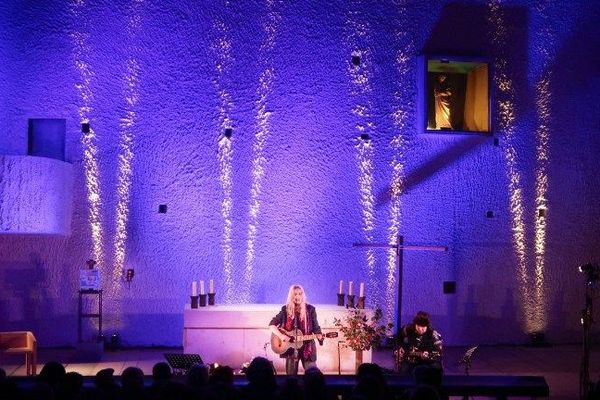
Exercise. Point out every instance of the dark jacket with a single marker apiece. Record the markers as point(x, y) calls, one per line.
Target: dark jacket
point(430, 341)
point(311, 314)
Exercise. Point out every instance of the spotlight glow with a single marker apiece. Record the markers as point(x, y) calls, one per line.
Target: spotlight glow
point(506, 108)
point(541, 203)
point(125, 171)
point(81, 49)
point(545, 45)
point(126, 140)
point(263, 127)
point(401, 117)
point(223, 59)
point(367, 201)
point(225, 177)
point(360, 71)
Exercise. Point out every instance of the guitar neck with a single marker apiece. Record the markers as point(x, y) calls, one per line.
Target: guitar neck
point(300, 338)
point(303, 338)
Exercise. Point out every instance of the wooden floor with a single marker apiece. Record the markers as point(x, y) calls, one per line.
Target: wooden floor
point(558, 364)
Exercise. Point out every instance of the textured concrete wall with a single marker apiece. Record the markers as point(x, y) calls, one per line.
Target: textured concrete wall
point(160, 81)
point(36, 196)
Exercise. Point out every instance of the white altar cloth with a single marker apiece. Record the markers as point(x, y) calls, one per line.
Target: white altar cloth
point(235, 333)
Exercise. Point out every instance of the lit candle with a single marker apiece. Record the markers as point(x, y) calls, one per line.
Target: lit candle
point(201, 287)
point(361, 292)
point(350, 287)
point(211, 286)
point(194, 289)
point(341, 287)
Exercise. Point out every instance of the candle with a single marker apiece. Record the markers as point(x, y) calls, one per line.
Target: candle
point(350, 287)
point(211, 286)
point(341, 287)
point(194, 289)
point(361, 293)
point(201, 287)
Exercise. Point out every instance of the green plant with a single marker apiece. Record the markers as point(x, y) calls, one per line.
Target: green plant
point(362, 332)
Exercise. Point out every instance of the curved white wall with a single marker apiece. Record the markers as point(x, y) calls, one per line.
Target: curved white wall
point(35, 195)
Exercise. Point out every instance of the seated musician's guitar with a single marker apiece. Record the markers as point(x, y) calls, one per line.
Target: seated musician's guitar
point(414, 355)
point(297, 339)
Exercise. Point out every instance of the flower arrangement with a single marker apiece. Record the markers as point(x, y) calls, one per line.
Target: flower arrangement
point(361, 332)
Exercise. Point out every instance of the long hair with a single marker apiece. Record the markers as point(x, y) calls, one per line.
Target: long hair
point(290, 306)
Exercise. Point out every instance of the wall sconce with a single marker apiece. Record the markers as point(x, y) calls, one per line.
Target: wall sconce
point(129, 276)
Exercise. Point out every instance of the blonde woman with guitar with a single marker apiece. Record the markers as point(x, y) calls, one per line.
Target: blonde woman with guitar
point(293, 331)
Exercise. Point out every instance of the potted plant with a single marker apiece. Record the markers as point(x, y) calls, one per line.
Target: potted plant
point(361, 332)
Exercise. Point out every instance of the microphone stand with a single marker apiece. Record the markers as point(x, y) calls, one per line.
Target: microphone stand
point(339, 357)
point(585, 386)
point(295, 338)
point(466, 360)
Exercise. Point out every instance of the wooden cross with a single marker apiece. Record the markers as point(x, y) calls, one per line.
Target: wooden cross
point(400, 247)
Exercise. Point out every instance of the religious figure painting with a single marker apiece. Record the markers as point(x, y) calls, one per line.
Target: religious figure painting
point(457, 96)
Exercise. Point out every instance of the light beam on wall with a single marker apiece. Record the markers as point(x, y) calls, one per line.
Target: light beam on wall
point(541, 203)
point(221, 48)
point(125, 169)
point(225, 178)
point(403, 109)
point(544, 47)
point(360, 73)
point(126, 140)
point(506, 118)
point(80, 50)
point(367, 201)
point(263, 128)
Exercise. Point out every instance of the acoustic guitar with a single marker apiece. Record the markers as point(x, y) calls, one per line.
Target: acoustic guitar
point(297, 339)
point(414, 355)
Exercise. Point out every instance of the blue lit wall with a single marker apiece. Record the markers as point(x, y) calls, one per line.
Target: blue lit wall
point(285, 197)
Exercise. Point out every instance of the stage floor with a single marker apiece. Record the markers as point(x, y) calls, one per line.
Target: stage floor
point(558, 364)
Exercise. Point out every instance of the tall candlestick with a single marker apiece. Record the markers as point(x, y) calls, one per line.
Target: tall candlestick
point(194, 289)
point(341, 287)
point(202, 287)
point(211, 286)
point(350, 287)
point(361, 292)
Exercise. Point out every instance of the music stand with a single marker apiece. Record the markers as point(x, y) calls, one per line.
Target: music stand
point(181, 363)
point(466, 358)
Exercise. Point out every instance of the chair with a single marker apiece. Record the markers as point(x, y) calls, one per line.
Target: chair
point(21, 342)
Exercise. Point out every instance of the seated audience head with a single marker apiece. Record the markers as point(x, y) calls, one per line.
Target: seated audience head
point(132, 379)
point(370, 369)
point(371, 384)
point(104, 378)
point(315, 386)
point(424, 392)
point(52, 373)
point(223, 375)
point(260, 372)
point(161, 372)
point(71, 385)
point(197, 376)
point(2, 374)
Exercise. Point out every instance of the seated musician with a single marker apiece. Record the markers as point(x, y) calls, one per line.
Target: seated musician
point(419, 346)
point(297, 318)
